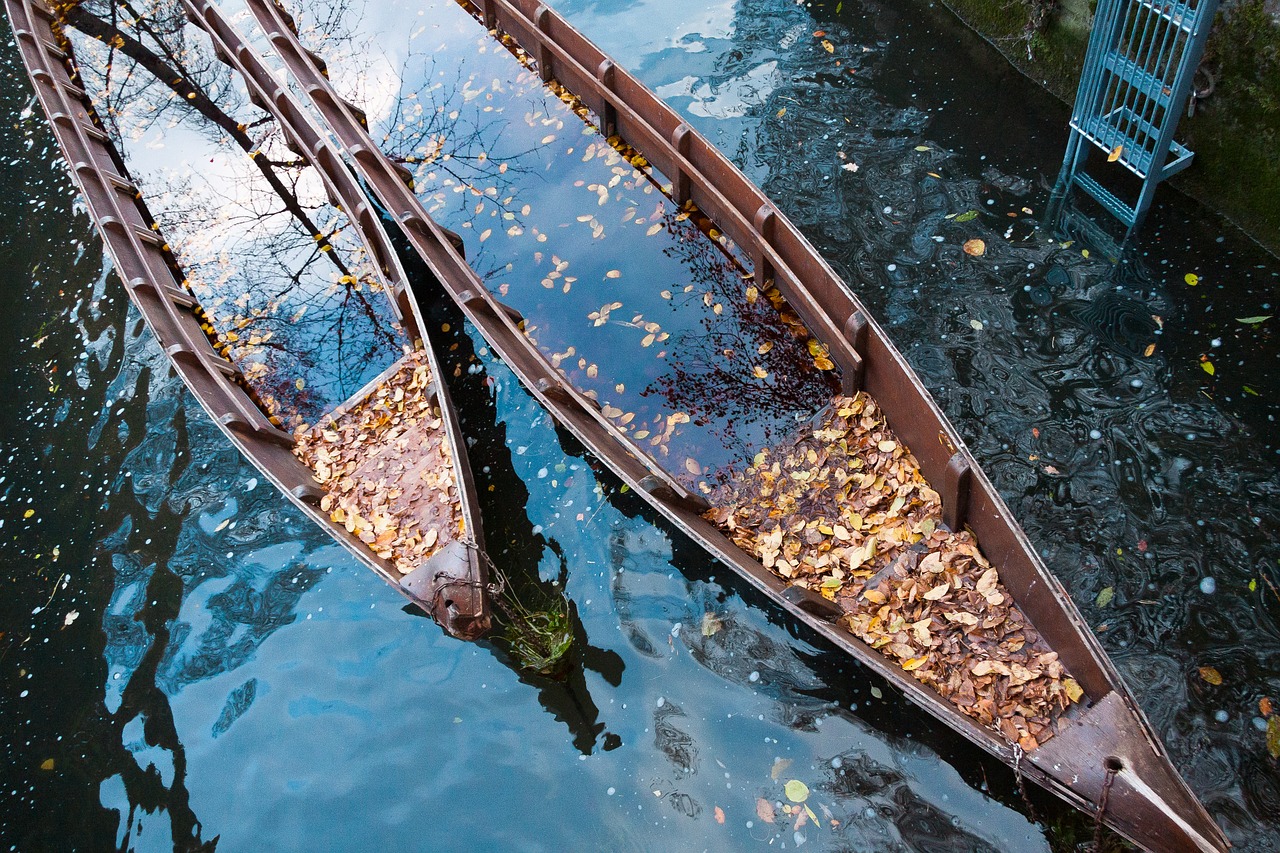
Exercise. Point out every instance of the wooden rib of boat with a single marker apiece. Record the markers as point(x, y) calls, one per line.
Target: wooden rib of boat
point(1105, 758)
point(449, 578)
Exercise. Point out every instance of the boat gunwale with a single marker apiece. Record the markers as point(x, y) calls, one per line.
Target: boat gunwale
point(153, 281)
point(878, 365)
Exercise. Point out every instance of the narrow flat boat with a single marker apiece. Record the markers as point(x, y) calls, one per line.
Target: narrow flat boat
point(385, 472)
point(918, 599)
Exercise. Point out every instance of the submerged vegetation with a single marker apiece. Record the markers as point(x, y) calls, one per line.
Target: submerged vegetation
point(538, 629)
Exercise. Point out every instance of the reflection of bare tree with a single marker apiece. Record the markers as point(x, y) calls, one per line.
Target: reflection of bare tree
point(425, 128)
point(712, 369)
point(263, 249)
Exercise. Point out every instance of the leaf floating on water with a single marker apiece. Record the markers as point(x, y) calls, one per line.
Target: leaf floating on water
point(759, 372)
point(1264, 706)
point(1211, 675)
point(828, 46)
point(1105, 596)
point(719, 815)
point(923, 148)
point(976, 325)
point(711, 624)
point(764, 810)
point(1273, 737)
point(796, 791)
point(47, 764)
point(782, 112)
point(1207, 367)
point(967, 216)
point(975, 247)
point(1149, 351)
point(1191, 279)
point(614, 274)
point(29, 513)
point(850, 167)
point(691, 465)
point(1115, 154)
point(653, 229)
point(1251, 321)
point(779, 767)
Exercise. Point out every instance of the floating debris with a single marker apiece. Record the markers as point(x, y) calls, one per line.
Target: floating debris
point(843, 510)
point(387, 468)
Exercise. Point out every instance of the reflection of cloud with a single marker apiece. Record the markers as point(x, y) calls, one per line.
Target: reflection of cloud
point(731, 98)
point(379, 85)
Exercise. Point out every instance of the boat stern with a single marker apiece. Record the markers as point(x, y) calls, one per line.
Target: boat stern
point(1106, 761)
point(451, 587)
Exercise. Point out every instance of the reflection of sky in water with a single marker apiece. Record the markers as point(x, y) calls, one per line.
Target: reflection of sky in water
point(623, 294)
point(304, 335)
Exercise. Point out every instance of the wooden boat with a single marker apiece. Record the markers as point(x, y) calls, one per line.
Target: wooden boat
point(441, 568)
point(1105, 758)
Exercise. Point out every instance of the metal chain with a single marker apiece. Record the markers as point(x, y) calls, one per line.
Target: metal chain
point(1112, 769)
point(1022, 788)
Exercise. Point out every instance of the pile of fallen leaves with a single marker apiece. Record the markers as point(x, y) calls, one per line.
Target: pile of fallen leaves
point(387, 469)
point(843, 510)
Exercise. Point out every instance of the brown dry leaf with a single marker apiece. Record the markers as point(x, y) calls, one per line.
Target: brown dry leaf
point(719, 815)
point(975, 247)
point(1264, 706)
point(843, 509)
point(764, 810)
point(1115, 154)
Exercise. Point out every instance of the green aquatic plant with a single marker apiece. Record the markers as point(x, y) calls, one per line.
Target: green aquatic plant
point(538, 631)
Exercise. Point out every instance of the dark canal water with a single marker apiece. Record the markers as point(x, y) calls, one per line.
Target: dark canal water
point(184, 659)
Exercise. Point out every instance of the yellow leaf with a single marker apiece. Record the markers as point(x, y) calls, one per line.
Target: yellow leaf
point(915, 663)
point(828, 46)
point(29, 513)
point(300, 384)
point(1074, 691)
point(1149, 351)
point(874, 596)
point(782, 112)
point(47, 764)
point(764, 347)
point(823, 363)
point(1207, 367)
point(760, 372)
point(613, 274)
point(1191, 279)
point(1211, 675)
point(937, 592)
point(796, 791)
point(974, 247)
point(887, 446)
point(1115, 154)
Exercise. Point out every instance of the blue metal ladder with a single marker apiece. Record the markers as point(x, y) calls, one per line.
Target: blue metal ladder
point(1134, 87)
